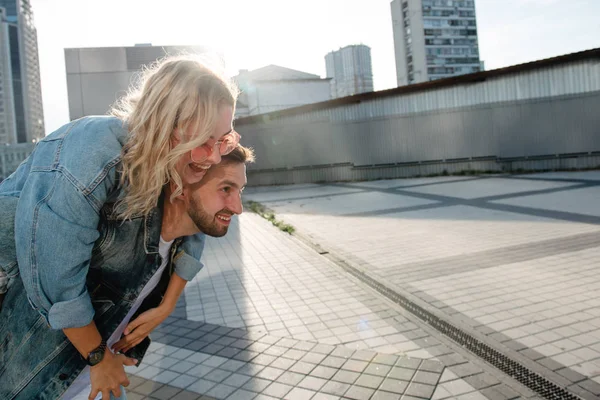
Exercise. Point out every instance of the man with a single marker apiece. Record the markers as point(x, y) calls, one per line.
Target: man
point(128, 254)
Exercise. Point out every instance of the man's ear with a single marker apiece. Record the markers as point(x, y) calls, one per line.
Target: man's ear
point(184, 195)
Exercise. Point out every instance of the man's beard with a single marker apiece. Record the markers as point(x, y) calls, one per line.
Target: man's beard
point(205, 222)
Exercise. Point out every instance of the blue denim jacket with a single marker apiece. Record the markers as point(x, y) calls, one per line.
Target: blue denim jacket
point(37, 362)
point(62, 187)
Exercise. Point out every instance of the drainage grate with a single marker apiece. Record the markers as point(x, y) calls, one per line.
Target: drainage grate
point(531, 379)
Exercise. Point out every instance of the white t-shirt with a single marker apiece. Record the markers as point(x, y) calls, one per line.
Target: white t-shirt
point(80, 389)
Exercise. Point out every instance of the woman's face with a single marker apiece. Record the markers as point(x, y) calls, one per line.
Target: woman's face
point(192, 166)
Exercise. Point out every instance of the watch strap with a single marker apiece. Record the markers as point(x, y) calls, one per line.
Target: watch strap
point(96, 355)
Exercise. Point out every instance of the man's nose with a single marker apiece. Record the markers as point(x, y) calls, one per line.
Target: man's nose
point(236, 206)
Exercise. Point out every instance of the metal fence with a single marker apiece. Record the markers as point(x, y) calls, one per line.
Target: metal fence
point(495, 133)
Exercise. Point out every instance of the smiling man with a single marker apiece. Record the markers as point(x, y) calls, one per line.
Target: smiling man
point(128, 252)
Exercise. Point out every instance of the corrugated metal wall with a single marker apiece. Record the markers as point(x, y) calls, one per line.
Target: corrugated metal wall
point(529, 114)
point(559, 125)
point(574, 78)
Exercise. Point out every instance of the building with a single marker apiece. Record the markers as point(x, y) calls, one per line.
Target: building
point(434, 39)
point(98, 77)
point(21, 112)
point(540, 115)
point(274, 88)
point(350, 70)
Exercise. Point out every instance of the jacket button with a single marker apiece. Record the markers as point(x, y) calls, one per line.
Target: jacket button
point(63, 377)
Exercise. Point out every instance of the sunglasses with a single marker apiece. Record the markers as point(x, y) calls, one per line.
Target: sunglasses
point(224, 146)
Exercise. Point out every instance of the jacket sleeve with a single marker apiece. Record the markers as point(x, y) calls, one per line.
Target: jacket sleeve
point(55, 234)
point(187, 260)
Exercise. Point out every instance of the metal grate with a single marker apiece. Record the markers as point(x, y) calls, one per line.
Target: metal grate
point(531, 379)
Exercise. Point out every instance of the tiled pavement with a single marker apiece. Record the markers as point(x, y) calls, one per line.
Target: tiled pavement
point(513, 258)
point(268, 317)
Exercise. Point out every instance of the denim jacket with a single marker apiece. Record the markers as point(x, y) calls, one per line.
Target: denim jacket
point(37, 362)
point(62, 187)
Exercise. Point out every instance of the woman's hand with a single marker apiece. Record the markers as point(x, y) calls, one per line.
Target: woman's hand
point(141, 327)
point(109, 375)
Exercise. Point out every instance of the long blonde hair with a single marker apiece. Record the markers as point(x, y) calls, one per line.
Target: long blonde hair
point(176, 94)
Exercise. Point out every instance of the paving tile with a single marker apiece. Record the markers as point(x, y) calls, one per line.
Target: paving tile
point(250, 369)
point(241, 394)
point(399, 373)
point(277, 389)
point(370, 381)
point(336, 388)
point(324, 396)
point(187, 395)
point(270, 373)
point(217, 375)
point(359, 393)
point(394, 385)
point(282, 363)
point(333, 362)
point(300, 394)
point(164, 393)
point(420, 390)
point(381, 395)
point(290, 378)
point(201, 386)
point(236, 380)
point(221, 391)
point(147, 387)
point(386, 359)
point(165, 377)
point(312, 383)
point(302, 367)
point(377, 369)
point(323, 372)
point(411, 363)
point(346, 376)
point(183, 381)
point(428, 378)
point(355, 365)
point(232, 365)
point(256, 385)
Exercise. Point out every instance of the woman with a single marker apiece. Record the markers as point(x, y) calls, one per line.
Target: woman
point(168, 131)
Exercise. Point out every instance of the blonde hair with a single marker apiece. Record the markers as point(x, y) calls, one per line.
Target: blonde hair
point(176, 94)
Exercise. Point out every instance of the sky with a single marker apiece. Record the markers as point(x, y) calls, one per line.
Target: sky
point(294, 34)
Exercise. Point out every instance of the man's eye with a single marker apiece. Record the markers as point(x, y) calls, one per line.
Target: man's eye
point(226, 189)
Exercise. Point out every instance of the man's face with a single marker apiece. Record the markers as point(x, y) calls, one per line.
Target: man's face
point(217, 198)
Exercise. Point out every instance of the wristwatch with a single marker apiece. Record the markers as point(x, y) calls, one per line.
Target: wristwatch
point(95, 356)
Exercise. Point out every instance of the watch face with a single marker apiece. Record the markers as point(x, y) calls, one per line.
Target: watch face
point(95, 357)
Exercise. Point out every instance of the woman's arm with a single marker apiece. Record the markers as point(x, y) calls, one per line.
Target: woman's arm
point(145, 323)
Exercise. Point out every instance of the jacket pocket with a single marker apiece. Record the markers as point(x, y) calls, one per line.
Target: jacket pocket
point(101, 307)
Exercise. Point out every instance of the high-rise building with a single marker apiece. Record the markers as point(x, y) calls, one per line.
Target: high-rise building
point(350, 70)
point(97, 77)
point(434, 39)
point(21, 113)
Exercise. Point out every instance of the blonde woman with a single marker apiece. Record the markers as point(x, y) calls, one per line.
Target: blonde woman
point(91, 183)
